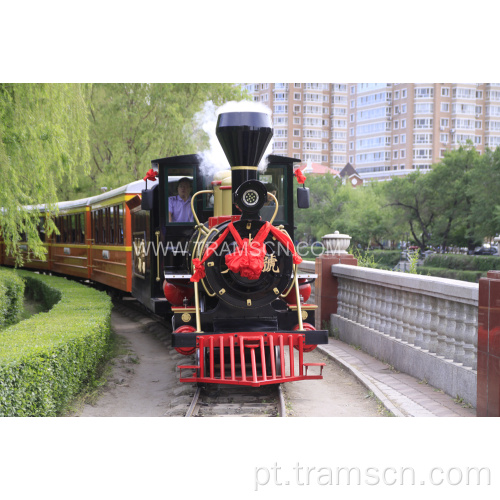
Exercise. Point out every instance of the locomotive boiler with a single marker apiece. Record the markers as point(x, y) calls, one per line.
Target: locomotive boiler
point(226, 268)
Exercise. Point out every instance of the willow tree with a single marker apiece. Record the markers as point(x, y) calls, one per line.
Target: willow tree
point(134, 123)
point(43, 141)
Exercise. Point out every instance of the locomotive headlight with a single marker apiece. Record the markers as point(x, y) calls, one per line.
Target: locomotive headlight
point(250, 196)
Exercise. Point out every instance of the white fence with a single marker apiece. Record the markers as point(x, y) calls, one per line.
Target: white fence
point(420, 325)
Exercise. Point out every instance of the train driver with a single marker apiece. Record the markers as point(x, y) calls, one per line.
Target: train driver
point(271, 188)
point(179, 207)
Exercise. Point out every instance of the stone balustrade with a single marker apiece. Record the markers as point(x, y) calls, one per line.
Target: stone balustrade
point(421, 325)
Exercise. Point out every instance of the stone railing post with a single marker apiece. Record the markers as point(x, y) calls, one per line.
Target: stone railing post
point(335, 246)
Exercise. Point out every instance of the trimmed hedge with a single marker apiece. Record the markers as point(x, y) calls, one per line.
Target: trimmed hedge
point(11, 297)
point(454, 274)
point(47, 359)
point(463, 262)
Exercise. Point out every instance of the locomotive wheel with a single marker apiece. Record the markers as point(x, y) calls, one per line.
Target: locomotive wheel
point(307, 327)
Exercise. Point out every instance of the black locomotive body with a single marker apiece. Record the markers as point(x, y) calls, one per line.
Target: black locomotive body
point(228, 276)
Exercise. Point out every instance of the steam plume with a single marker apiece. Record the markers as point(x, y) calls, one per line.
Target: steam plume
point(214, 158)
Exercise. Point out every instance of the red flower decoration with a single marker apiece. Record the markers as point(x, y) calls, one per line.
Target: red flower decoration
point(248, 261)
point(151, 175)
point(301, 178)
point(199, 270)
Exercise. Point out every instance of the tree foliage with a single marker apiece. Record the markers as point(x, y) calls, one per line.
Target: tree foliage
point(134, 123)
point(43, 142)
point(358, 212)
point(457, 203)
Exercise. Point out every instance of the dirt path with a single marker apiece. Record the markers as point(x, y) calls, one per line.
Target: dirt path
point(145, 383)
point(144, 379)
point(338, 394)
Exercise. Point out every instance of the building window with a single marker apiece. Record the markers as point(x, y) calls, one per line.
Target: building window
point(396, 125)
point(403, 153)
point(396, 94)
point(351, 146)
point(353, 89)
point(296, 97)
point(403, 123)
point(404, 93)
point(444, 122)
point(395, 155)
point(445, 91)
point(425, 154)
point(296, 120)
point(424, 93)
point(296, 85)
point(280, 109)
point(445, 107)
point(296, 145)
point(296, 132)
point(396, 139)
point(424, 108)
point(296, 109)
point(443, 138)
point(403, 138)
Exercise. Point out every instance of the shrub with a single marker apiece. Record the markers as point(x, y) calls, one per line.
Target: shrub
point(11, 297)
point(47, 359)
point(454, 274)
point(463, 262)
point(385, 259)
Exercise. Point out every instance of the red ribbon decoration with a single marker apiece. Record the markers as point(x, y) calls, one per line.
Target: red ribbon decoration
point(301, 178)
point(248, 259)
point(151, 175)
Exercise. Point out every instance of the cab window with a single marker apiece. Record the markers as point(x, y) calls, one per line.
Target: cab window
point(275, 182)
point(179, 188)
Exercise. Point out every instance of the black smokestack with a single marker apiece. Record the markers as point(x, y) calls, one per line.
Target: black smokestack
point(244, 136)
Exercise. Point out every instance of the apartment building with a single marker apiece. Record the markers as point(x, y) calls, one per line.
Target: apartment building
point(381, 129)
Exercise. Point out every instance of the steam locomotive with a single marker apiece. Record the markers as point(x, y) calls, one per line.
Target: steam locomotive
point(230, 277)
point(225, 270)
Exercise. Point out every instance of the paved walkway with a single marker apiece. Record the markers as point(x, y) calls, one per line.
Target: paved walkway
point(402, 394)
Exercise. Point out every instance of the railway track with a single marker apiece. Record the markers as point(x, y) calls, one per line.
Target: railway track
point(214, 400)
point(233, 401)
